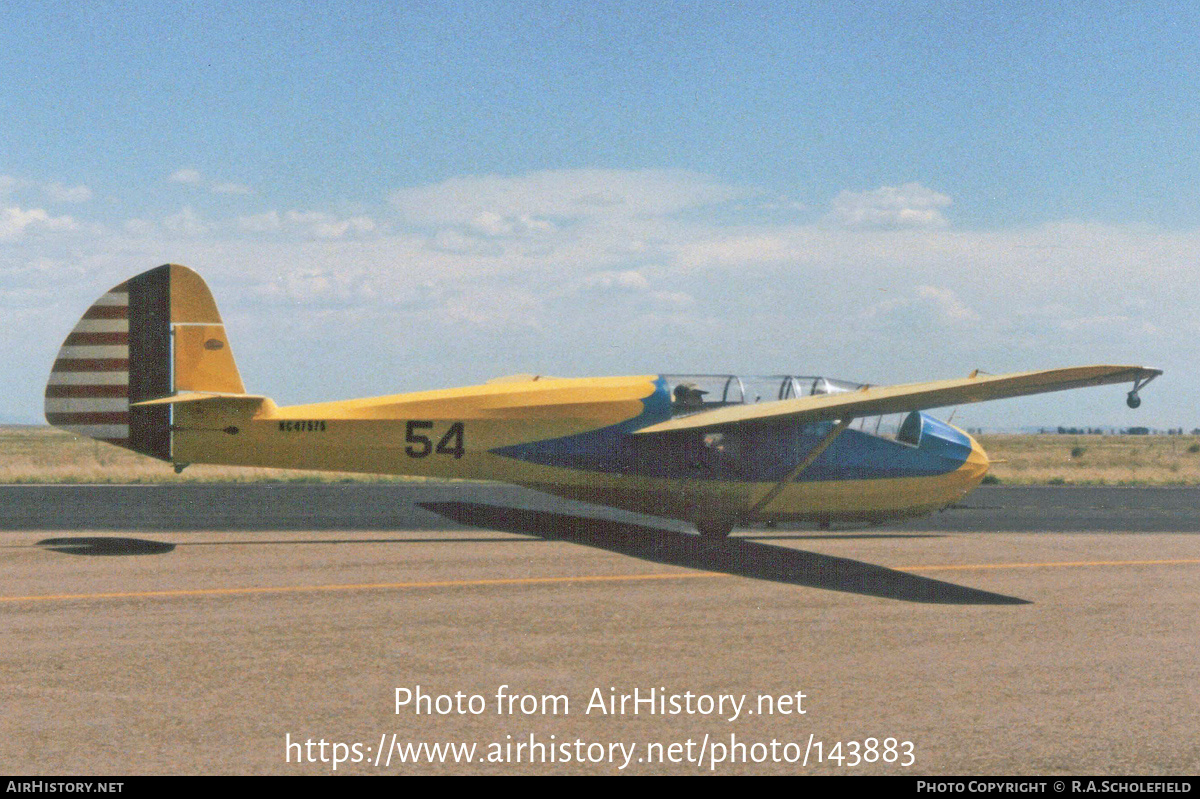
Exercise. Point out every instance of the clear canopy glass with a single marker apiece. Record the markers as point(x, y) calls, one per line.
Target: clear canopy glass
point(691, 393)
point(695, 393)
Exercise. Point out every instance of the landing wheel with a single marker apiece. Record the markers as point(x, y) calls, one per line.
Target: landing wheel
point(714, 529)
point(1133, 400)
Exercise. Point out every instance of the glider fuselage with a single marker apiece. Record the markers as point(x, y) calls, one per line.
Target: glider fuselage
point(578, 438)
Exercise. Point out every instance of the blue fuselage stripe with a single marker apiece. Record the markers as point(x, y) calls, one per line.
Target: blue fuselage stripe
point(752, 453)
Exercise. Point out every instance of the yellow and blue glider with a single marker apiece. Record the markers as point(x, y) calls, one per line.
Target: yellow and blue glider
point(149, 368)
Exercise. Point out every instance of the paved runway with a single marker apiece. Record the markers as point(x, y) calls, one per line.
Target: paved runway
point(201, 629)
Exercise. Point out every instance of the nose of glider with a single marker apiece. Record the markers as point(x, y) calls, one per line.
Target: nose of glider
point(971, 463)
point(977, 463)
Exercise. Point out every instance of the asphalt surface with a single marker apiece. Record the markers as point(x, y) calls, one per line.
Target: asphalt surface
point(200, 629)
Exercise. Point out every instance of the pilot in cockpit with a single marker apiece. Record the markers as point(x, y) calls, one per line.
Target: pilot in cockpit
point(689, 396)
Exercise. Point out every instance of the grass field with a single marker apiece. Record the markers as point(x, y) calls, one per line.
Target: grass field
point(46, 455)
point(1094, 460)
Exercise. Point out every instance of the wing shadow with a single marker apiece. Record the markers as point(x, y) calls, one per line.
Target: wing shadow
point(105, 546)
point(741, 557)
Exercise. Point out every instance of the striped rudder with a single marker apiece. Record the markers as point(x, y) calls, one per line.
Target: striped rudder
point(120, 353)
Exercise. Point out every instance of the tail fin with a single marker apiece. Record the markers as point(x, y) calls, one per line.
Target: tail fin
point(152, 336)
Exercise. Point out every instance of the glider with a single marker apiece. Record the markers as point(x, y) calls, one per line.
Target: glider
point(149, 368)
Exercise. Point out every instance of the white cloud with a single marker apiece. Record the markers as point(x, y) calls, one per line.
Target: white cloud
point(14, 222)
point(57, 192)
point(632, 284)
point(449, 240)
point(675, 299)
point(315, 224)
point(189, 176)
point(628, 280)
point(139, 227)
point(193, 177)
point(261, 223)
point(738, 247)
point(496, 308)
point(230, 188)
point(545, 275)
point(327, 226)
point(186, 223)
point(535, 201)
point(910, 205)
point(947, 303)
point(492, 224)
point(318, 286)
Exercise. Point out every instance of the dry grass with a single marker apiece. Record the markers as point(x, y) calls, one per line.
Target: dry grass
point(46, 455)
point(1094, 460)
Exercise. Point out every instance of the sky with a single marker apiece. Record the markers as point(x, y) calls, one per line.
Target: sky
point(388, 197)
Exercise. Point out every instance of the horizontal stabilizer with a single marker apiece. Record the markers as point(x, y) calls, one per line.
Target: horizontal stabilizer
point(248, 400)
point(879, 400)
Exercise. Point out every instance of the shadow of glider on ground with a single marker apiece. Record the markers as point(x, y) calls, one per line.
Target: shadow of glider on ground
point(106, 545)
point(736, 556)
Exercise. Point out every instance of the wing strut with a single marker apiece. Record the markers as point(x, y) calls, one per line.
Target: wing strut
point(813, 454)
point(1132, 399)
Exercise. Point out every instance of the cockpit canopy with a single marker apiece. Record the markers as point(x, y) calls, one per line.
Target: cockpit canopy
point(695, 393)
point(692, 393)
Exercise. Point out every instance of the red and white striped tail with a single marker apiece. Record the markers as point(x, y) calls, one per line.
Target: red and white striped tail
point(118, 354)
point(88, 392)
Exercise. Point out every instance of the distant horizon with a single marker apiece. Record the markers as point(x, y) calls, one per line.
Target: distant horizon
point(1027, 430)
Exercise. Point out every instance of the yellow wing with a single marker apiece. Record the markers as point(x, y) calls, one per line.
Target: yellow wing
point(878, 400)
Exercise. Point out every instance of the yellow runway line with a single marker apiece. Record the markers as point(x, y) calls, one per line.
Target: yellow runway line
point(1049, 565)
point(283, 589)
point(517, 581)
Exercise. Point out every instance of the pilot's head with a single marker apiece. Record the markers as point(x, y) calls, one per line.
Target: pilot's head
point(689, 394)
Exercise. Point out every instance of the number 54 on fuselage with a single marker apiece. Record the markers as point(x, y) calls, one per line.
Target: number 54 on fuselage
point(149, 368)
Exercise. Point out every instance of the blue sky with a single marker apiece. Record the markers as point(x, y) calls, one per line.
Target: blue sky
point(390, 198)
